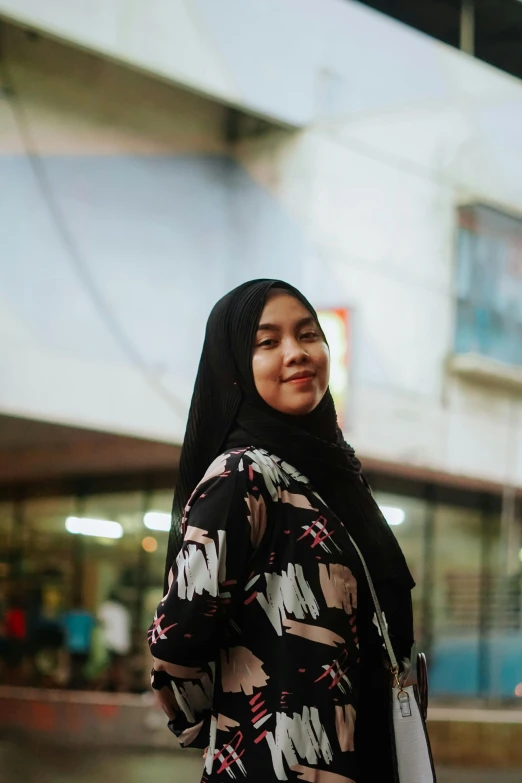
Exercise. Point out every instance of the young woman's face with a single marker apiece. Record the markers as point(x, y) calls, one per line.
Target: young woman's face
point(291, 361)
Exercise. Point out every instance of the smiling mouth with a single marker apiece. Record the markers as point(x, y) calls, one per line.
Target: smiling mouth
point(301, 378)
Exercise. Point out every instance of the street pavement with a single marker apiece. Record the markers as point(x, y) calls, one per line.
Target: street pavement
point(47, 764)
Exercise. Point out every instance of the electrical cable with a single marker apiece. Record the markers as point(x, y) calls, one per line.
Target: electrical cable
point(73, 253)
point(357, 146)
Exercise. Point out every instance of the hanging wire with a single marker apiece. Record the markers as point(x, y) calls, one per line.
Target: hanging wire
point(73, 252)
point(323, 130)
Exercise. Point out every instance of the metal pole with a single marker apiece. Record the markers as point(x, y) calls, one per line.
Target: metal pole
point(78, 557)
point(142, 578)
point(428, 571)
point(467, 26)
point(485, 602)
point(509, 544)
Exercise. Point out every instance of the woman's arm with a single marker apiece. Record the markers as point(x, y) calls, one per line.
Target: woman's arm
point(222, 521)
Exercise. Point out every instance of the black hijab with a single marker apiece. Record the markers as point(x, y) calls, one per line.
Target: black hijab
point(227, 411)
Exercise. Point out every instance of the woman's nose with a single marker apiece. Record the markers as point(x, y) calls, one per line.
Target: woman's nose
point(295, 353)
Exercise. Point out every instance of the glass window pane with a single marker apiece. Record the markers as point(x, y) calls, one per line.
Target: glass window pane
point(410, 535)
point(7, 553)
point(111, 564)
point(456, 601)
point(161, 502)
point(489, 285)
point(47, 547)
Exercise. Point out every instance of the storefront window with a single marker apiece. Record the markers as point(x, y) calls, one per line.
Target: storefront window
point(58, 577)
point(468, 599)
point(6, 554)
point(468, 612)
point(111, 565)
point(154, 546)
point(459, 585)
point(406, 517)
point(6, 526)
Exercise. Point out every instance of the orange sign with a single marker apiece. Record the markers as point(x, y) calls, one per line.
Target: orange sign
point(336, 324)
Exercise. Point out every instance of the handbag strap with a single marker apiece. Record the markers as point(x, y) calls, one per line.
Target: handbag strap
point(383, 627)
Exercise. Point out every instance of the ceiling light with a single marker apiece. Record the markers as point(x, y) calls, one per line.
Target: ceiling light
point(102, 528)
point(157, 520)
point(393, 516)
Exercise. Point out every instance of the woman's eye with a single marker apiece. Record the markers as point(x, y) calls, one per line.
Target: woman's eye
point(308, 335)
point(266, 343)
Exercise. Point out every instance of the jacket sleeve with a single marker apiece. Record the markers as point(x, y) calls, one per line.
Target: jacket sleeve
point(224, 521)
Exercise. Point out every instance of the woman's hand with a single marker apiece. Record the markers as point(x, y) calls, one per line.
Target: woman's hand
point(164, 696)
point(166, 700)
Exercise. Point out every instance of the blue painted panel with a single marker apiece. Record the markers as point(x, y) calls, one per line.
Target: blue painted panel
point(454, 666)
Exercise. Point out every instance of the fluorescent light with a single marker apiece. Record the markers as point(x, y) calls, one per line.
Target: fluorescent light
point(103, 528)
point(392, 515)
point(157, 520)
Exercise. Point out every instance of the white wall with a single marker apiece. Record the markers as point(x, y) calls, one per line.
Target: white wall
point(358, 209)
point(380, 238)
point(418, 129)
point(108, 141)
point(108, 270)
point(290, 60)
point(217, 48)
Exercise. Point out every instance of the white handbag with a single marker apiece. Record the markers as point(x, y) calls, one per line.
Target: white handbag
point(414, 762)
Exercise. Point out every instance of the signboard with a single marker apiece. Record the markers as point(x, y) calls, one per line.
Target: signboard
point(336, 324)
point(489, 285)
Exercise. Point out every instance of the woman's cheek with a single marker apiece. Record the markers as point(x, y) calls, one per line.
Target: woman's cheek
point(325, 368)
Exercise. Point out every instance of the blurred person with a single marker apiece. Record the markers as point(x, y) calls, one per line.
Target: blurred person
point(47, 643)
point(15, 641)
point(4, 646)
point(114, 619)
point(3, 638)
point(15, 620)
point(78, 624)
point(264, 646)
point(47, 649)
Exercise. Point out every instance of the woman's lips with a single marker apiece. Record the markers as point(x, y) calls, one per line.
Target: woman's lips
point(301, 381)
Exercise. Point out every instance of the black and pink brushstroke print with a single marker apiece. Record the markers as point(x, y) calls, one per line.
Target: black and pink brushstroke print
point(258, 633)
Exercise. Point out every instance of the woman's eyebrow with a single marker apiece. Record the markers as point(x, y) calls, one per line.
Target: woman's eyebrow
point(307, 321)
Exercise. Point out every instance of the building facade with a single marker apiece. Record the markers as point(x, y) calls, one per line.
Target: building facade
point(383, 179)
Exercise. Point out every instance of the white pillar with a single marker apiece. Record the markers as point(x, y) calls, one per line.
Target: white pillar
point(467, 26)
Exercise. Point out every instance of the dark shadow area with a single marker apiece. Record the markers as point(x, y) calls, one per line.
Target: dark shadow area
point(498, 26)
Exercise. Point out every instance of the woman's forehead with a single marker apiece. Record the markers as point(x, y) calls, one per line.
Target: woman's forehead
point(282, 306)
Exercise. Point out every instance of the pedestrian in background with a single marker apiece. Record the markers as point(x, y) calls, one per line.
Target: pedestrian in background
point(264, 645)
point(78, 624)
point(115, 626)
point(15, 648)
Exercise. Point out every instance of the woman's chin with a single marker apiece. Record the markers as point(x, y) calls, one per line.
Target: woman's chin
point(300, 407)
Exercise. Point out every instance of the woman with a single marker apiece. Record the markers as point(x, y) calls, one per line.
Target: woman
point(264, 646)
